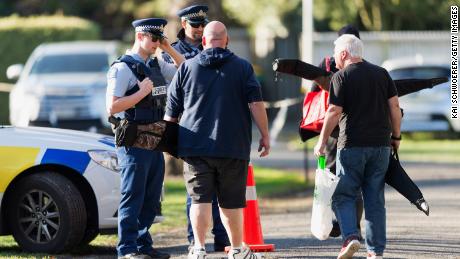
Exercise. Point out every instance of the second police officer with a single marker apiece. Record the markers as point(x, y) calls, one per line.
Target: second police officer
point(193, 20)
point(136, 86)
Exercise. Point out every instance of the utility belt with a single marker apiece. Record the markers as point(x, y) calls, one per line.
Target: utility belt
point(159, 136)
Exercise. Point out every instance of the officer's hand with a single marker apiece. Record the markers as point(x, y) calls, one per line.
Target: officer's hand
point(146, 86)
point(164, 44)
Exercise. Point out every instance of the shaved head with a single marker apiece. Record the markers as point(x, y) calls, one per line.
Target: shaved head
point(215, 35)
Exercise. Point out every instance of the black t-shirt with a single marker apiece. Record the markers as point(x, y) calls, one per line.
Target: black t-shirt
point(362, 90)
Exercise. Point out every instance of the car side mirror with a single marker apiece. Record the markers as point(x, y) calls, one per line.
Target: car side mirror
point(14, 71)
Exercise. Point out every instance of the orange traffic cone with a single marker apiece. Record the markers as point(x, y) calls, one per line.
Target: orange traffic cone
point(252, 234)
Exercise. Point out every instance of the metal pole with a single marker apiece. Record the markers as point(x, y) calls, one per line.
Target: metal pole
point(307, 55)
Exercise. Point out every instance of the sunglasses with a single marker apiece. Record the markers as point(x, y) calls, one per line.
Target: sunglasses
point(154, 37)
point(197, 25)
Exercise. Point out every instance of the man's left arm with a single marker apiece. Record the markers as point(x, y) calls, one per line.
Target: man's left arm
point(330, 122)
point(259, 115)
point(174, 101)
point(257, 108)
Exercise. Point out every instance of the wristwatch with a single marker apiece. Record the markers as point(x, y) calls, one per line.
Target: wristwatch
point(396, 138)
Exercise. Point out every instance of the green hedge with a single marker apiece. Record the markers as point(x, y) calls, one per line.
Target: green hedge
point(20, 35)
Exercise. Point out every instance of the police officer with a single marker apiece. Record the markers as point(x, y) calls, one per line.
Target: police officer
point(136, 91)
point(193, 20)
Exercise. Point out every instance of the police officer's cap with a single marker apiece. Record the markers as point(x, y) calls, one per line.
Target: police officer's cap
point(349, 29)
point(151, 25)
point(194, 14)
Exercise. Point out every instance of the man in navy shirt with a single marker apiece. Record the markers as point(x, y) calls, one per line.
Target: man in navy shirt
point(193, 20)
point(216, 92)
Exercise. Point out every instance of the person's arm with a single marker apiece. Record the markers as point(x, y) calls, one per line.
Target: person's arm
point(259, 115)
point(176, 56)
point(119, 104)
point(330, 122)
point(323, 82)
point(333, 113)
point(395, 117)
point(175, 98)
point(171, 119)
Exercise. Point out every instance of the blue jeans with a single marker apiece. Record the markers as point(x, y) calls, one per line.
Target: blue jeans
point(218, 229)
point(142, 175)
point(365, 168)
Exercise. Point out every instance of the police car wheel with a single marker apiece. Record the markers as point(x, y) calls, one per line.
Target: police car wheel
point(46, 213)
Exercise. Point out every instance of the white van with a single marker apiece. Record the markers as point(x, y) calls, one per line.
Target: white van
point(428, 109)
point(62, 85)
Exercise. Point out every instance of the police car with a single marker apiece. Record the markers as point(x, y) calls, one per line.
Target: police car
point(58, 188)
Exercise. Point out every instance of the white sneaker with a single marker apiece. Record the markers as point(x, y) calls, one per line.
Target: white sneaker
point(244, 253)
point(349, 247)
point(197, 254)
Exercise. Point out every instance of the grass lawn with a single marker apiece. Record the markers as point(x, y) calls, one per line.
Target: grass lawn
point(414, 150)
point(435, 151)
point(270, 183)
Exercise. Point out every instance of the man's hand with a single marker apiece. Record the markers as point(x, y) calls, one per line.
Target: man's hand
point(164, 44)
point(176, 56)
point(146, 86)
point(264, 143)
point(395, 144)
point(319, 149)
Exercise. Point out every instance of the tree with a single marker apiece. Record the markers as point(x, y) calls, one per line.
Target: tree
point(258, 14)
point(114, 16)
point(385, 14)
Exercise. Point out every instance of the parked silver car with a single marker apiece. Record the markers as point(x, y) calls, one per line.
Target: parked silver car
point(429, 109)
point(62, 85)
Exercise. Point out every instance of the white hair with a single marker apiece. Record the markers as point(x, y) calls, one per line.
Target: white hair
point(351, 44)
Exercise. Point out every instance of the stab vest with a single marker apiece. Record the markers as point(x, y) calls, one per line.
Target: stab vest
point(152, 107)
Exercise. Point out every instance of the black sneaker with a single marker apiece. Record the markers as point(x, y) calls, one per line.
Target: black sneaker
point(335, 231)
point(155, 254)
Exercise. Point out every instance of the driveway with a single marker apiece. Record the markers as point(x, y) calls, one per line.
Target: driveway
point(410, 234)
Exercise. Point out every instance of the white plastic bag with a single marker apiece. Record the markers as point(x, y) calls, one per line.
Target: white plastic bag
point(321, 215)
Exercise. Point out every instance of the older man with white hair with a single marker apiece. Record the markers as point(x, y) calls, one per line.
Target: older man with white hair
point(364, 102)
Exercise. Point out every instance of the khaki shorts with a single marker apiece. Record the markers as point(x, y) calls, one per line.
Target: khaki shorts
point(206, 176)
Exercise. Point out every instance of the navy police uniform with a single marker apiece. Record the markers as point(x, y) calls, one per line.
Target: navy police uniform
point(142, 170)
point(195, 14)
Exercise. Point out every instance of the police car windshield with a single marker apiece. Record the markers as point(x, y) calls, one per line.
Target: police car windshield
point(419, 72)
point(71, 63)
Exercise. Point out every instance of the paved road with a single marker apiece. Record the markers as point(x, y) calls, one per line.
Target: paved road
point(411, 234)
